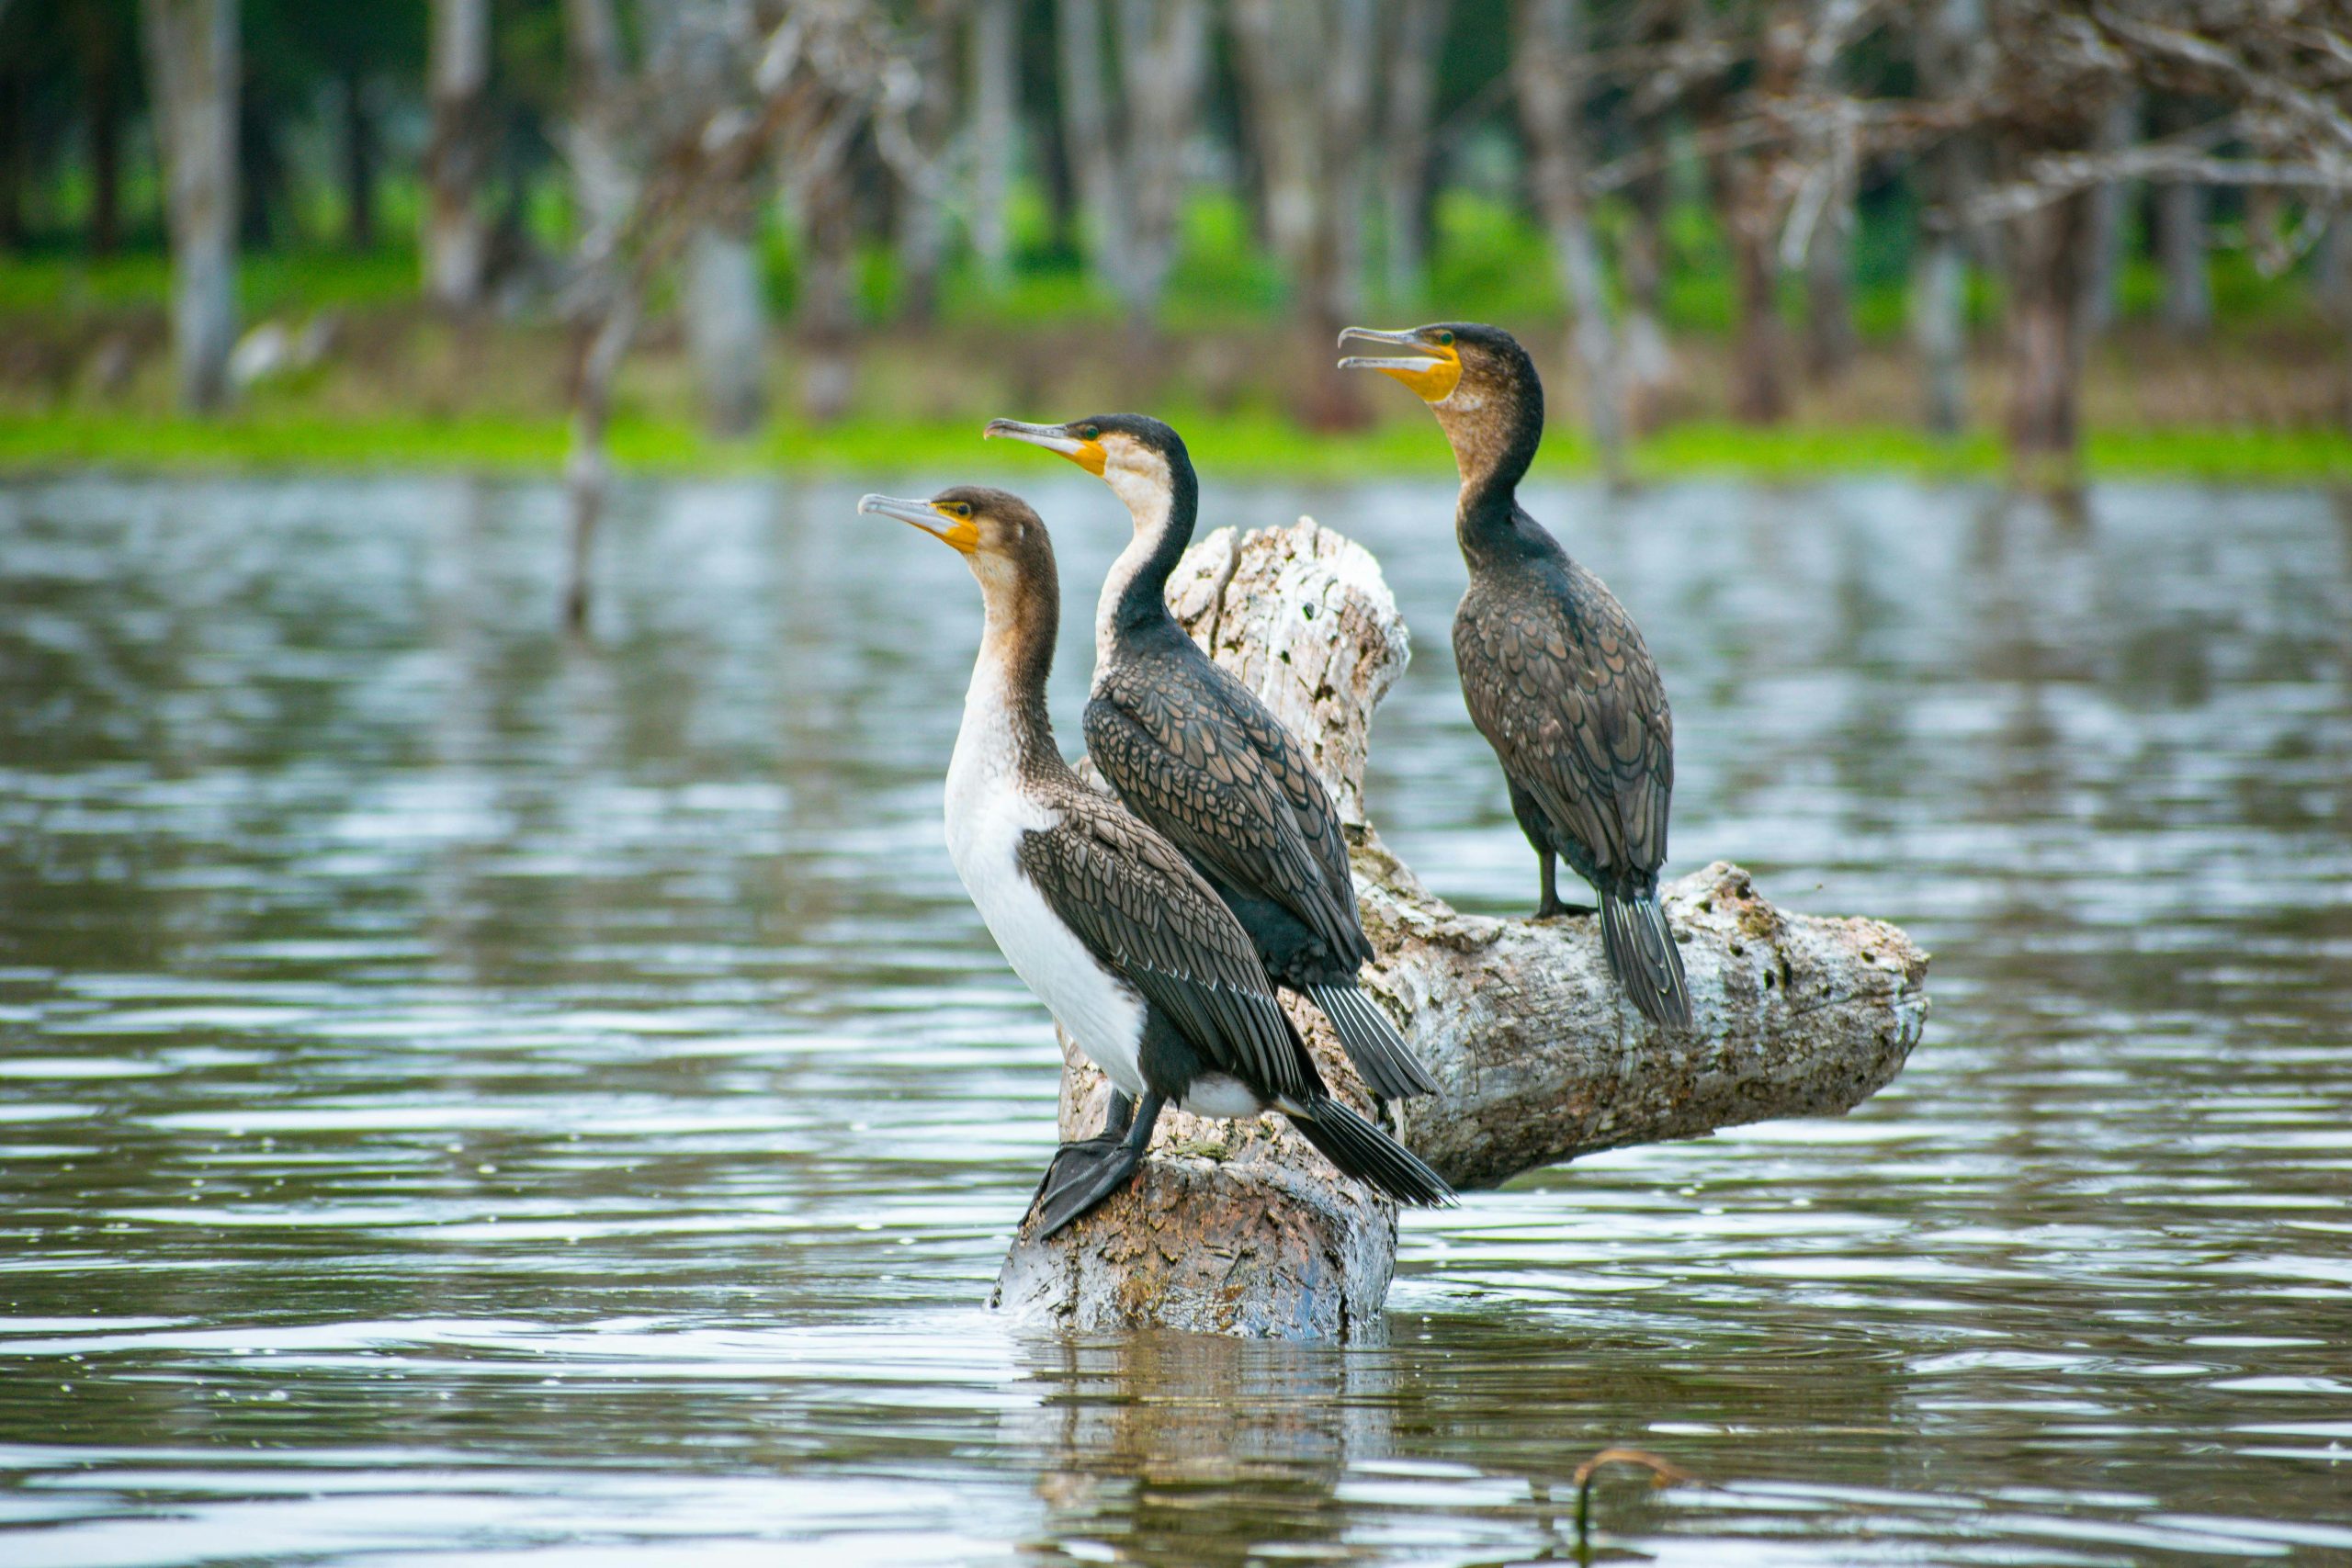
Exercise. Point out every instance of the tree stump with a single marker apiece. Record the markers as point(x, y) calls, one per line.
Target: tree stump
point(1242, 1228)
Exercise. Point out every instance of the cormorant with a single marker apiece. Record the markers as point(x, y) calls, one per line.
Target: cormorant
point(1552, 668)
point(1193, 752)
point(1111, 927)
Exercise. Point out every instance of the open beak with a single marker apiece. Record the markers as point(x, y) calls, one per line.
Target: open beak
point(961, 532)
point(1431, 370)
point(1086, 455)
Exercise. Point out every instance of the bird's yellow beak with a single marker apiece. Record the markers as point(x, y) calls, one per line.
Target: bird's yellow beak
point(1086, 455)
point(962, 534)
point(1432, 370)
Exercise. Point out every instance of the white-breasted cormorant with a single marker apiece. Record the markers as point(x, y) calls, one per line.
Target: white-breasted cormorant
point(1123, 940)
point(1193, 752)
point(1555, 672)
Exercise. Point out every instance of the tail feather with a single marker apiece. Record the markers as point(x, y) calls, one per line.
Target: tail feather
point(1371, 1157)
point(1643, 956)
point(1386, 1064)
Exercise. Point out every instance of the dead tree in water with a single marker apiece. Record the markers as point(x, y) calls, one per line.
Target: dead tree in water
point(660, 150)
point(1241, 1227)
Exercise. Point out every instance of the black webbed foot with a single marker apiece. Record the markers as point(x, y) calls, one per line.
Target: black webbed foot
point(1553, 910)
point(1089, 1170)
point(1082, 1176)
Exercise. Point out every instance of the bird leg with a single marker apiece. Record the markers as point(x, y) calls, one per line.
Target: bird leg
point(1550, 905)
point(1117, 1114)
point(1086, 1172)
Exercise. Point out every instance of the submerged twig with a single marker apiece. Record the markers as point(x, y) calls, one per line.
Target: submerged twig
point(1662, 1473)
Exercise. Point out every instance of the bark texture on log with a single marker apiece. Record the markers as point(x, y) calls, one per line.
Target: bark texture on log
point(1241, 1228)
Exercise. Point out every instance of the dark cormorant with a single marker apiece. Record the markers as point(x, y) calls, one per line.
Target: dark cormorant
point(1552, 668)
point(1111, 927)
point(1193, 752)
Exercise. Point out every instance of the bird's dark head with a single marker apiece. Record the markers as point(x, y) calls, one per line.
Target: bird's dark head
point(1476, 380)
point(999, 534)
point(1139, 457)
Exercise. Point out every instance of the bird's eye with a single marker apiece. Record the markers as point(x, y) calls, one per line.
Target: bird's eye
point(1445, 340)
point(1093, 433)
point(963, 508)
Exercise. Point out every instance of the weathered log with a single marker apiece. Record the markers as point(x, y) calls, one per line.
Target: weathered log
point(1241, 1227)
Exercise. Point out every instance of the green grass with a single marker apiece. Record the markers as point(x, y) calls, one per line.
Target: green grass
point(1489, 261)
point(1225, 446)
point(268, 283)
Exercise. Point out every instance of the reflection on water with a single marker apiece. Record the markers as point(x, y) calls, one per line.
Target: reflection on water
point(464, 1093)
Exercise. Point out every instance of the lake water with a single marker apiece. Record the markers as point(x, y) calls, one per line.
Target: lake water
point(470, 1098)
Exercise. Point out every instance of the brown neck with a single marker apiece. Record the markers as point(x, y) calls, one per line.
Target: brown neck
point(1494, 429)
point(1022, 601)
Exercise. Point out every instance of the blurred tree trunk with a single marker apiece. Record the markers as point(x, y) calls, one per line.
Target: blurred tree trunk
point(1163, 52)
point(920, 218)
point(604, 188)
point(2183, 238)
point(2331, 286)
point(825, 314)
point(2103, 271)
point(727, 323)
point(1417, 38)
point(1749, 195)
point(1278, 54)
point(1646, 355)
point(601, 180)
point(2181, 244)
point(2332, 269)
point(1350, 68)
point(1939, 328)
point(1306, 69)
point(455, 240)
point(1744, 196)
point(996, 127)
point(1086, 142)
point(359, 164)
point(1547, 71)
point(689, 46)
point(2051, 250)
point(1830, 343)
point(600, 343)
point(1945, 53)
point(194, 66)
point(1130, 165)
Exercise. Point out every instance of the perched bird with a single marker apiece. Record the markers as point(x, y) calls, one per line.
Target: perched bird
point(1193, 752)
point(1553, 671)
point(1111, 927)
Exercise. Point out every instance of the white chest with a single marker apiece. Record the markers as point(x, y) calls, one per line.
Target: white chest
point(987, 815)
